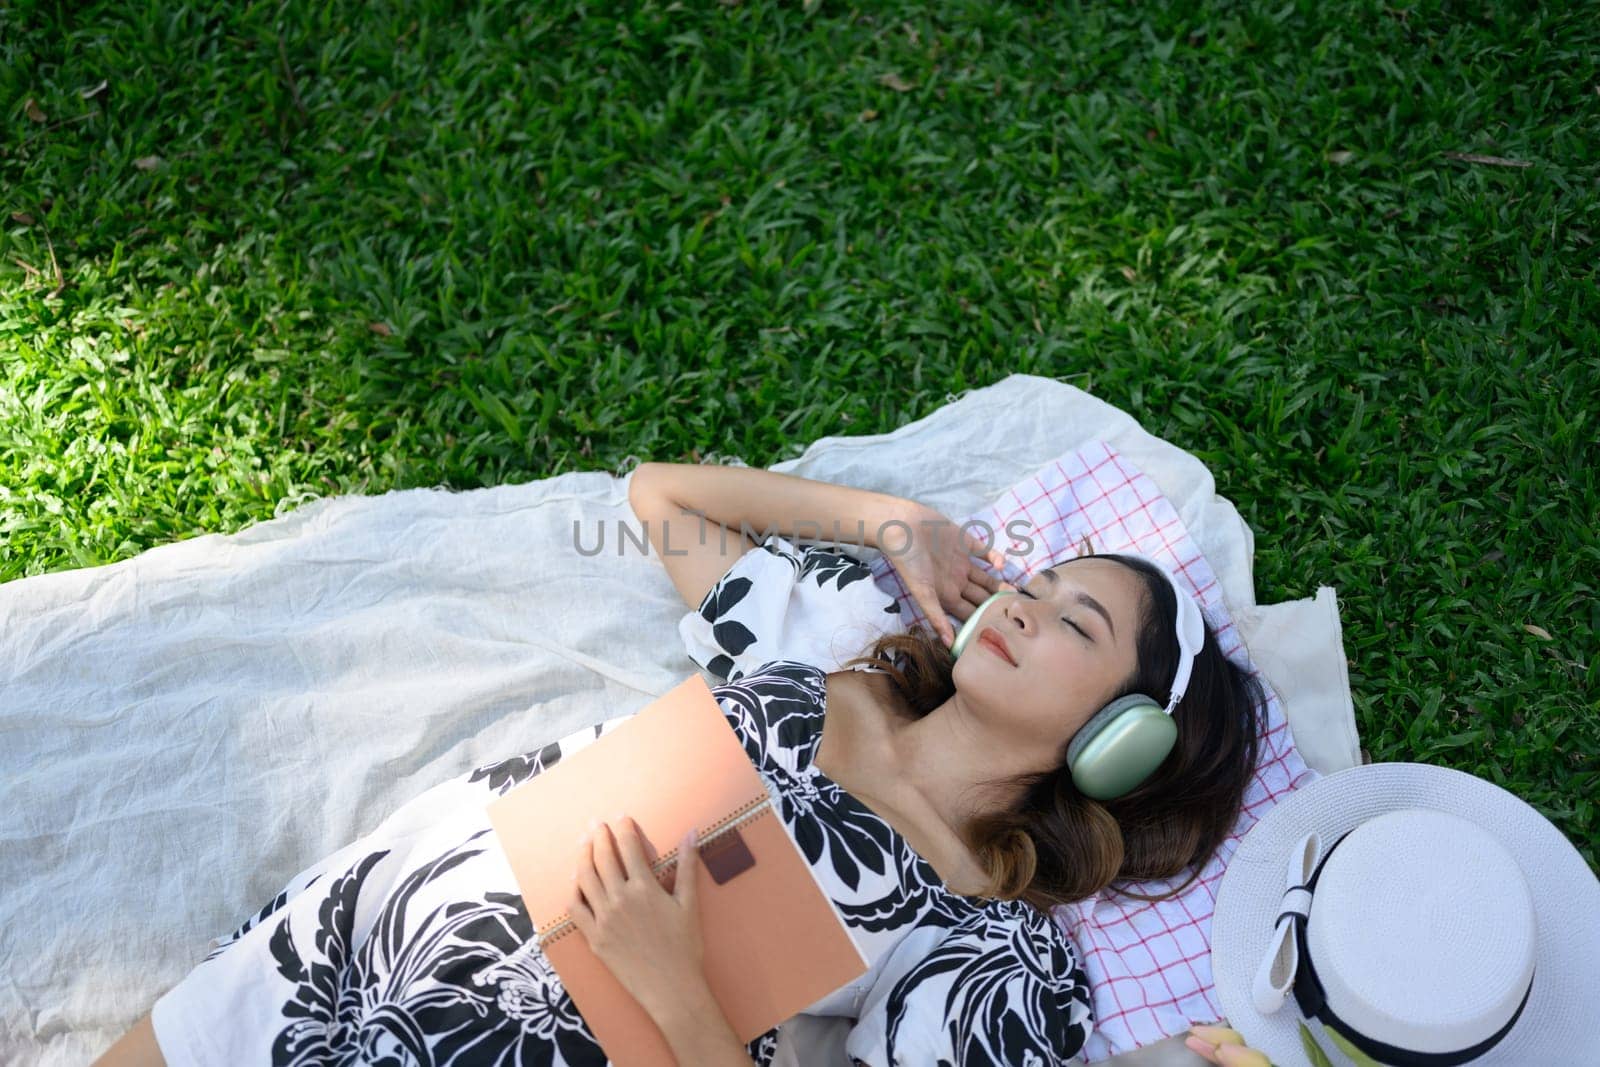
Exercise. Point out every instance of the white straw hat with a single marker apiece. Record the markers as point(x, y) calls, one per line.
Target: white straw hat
point(1429, 916)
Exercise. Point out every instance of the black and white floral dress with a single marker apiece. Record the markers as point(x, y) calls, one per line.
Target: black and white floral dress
point(412, 946)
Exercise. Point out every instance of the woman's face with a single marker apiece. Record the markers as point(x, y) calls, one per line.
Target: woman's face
point(1070, 634)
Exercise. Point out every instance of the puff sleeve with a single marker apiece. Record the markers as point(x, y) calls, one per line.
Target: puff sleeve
point(816, 605)
point(1002, 987)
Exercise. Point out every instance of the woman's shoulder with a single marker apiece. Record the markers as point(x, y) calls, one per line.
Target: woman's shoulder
point(779, 686)
point(795, 697)
point(781, 601)
point(776, 709)
point(781, 670)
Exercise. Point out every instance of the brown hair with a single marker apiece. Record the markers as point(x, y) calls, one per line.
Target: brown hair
point(1060, 846)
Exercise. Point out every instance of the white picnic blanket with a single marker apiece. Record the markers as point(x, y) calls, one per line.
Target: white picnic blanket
point(187, 729)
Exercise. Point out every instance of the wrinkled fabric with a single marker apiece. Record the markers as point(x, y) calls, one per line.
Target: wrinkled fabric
point(187, 729)
point(413, 944)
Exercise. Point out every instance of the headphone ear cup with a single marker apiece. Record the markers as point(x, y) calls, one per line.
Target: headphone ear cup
point(1120, 746)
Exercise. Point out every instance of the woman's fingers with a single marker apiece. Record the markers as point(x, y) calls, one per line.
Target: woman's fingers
point(686, 882)
point(984, 549)
point(634, 861)
point(605, 860)
point(1241, 1056)
point(983, 579)
point(1217, 1035)
point(1225, 1047)
point(973, 596)
point(928, 600)
point(588, 878)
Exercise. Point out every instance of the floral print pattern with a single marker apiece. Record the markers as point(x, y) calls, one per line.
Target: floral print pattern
point(414, 947)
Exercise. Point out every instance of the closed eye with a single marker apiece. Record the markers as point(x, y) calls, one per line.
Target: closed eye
point(1064, 619)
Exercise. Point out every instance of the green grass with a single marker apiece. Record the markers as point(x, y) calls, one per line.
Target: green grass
point(350, 248)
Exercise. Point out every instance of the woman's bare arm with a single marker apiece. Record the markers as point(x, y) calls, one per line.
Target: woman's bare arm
point(698, 1032)
point(700, 518)
point(136, 1048)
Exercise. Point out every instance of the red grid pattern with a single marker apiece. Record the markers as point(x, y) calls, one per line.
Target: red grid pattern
point(1149, 965)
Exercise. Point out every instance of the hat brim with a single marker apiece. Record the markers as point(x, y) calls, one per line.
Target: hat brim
point(1561, 1022)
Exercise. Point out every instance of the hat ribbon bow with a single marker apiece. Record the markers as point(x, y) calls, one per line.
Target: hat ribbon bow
point(1275, 976)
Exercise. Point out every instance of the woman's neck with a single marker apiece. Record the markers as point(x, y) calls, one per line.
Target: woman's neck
point(950, 760)
point(914, 771)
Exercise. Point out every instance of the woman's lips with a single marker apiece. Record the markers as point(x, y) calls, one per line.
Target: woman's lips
point(991, 637)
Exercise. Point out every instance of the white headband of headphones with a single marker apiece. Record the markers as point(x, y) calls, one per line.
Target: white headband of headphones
point(1191, 629)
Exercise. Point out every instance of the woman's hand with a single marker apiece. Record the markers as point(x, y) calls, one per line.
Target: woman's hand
point(938, 569)
point(647, 936)
point(1225, 1047)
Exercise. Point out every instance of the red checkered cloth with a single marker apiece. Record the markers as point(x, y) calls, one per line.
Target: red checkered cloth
point(1149, 965)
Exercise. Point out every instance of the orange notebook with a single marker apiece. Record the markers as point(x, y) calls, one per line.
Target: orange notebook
point(774, 944)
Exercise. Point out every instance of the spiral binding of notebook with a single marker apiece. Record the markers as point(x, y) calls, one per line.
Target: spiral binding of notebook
point(774, 943)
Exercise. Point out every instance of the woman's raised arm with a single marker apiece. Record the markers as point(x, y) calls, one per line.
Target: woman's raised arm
point(701, 518)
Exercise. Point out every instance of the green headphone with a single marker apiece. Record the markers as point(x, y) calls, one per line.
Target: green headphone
point(1124, 742)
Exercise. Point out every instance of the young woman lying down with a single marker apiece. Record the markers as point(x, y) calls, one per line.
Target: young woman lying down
point(940, 800)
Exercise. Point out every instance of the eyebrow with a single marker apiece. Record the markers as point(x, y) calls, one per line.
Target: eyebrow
point(1086, 600)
